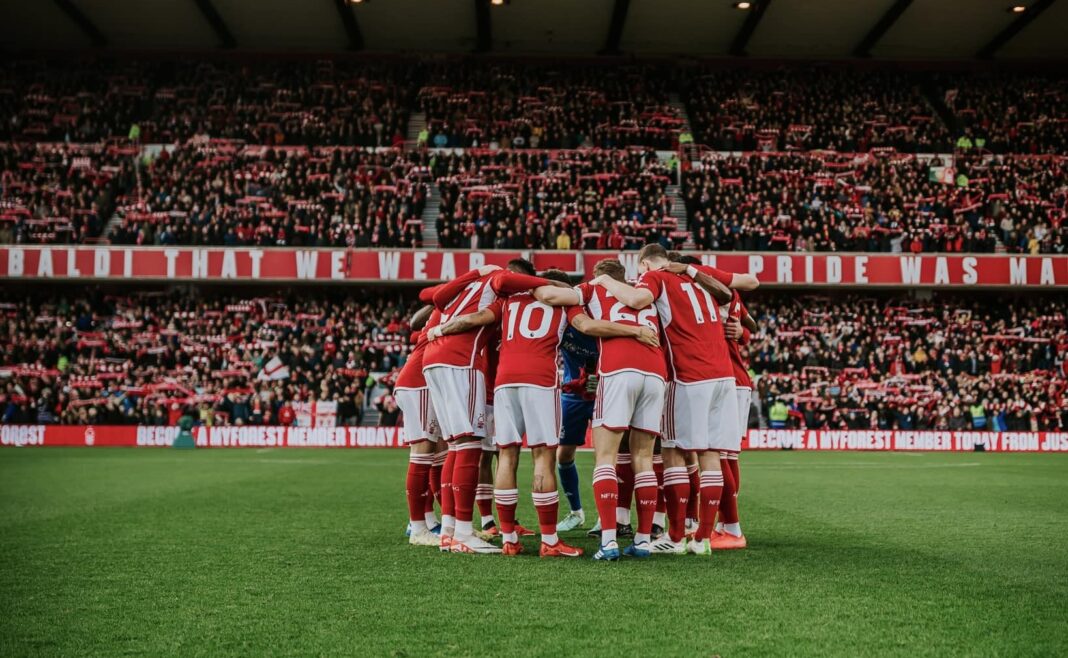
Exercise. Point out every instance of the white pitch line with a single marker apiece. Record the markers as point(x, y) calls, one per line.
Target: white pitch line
point(832, 465)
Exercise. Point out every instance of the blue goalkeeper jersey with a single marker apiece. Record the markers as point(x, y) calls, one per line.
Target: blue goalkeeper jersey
point(578, 351)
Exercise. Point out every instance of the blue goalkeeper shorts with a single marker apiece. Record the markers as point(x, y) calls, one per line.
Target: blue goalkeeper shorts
point(576, 420)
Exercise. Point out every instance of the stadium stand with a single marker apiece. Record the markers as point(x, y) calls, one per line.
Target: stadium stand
point(503, 105)
point(90, 356)
point(555, 199)
point(222, 193)
point(854, 362)
point(812, 108)
point(255, 155)
point(887, 362)
point(823, 201)
point(1008, 112)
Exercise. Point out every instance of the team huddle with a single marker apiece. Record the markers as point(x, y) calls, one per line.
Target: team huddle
point(655, 367)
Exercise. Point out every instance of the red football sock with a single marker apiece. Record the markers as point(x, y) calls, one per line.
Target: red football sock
point(695, 491)
point(447, 508)
point(507, 500)
point(465, 479)
point(645, 492)
point(548, 506)
point(428, 506)
point(658, 468)
point(732, 457)
point(606, 493)
point(677, 494)
point(625, 475)
point(728, 505)
point(484, 499)
point(416, 484)
point(435, 474)
point(711, 492)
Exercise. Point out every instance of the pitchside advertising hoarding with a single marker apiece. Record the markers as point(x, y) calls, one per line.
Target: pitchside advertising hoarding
point(393, 437)
point(429, 265)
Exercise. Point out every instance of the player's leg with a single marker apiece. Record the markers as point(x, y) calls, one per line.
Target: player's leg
point(730, 521)
point(711, 493)
point(613, 411)
point(625, 476)
point(508, 437)
point(443, 399)
point(416, 489)
point(464, 404)
point(576, 415)
point(506, 492)
point(412, 403)
point(606, 487)
point(660, 516)
point(730, 535)
point(645, 425)
point(681, 424)
point(541, 415)
point(645, 491)
point(692, 504)
point(484, 491)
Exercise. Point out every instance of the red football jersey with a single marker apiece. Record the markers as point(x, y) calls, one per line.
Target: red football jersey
point(736, 311)
point(694, 341)
point(530, 337)
point(466, 350)
point(621, 353)
point(411, 375)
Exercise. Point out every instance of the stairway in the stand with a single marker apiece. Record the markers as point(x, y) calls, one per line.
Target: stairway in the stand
point(430, 216)
point(416, 123)
point(678, 208)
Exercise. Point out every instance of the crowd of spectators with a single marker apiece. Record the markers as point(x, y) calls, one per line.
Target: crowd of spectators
point(590, 199)
point(887, 362)
point(221, 193)
point(92, 356)
point(293, 102)
point(888, 202)
point(59, 194)
point(313, 153)
point(1008, 112)
point(510, 105)
point(812, 108)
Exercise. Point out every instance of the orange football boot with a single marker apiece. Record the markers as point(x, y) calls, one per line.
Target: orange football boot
point(559, 549)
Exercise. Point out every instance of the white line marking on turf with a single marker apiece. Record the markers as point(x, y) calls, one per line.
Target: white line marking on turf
point(833, 465)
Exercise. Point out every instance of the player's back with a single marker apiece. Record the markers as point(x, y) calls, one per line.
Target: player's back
point(463, 350)
point(411, 375)
point(695, 344)
point(622, 353)
point(735, 309)
point(530, 337)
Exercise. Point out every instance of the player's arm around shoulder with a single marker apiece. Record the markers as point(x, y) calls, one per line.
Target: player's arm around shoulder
point(606, 329)
point(464, 323)
point(635, 297)
point(554, 295)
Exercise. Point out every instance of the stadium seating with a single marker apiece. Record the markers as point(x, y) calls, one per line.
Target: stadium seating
point(555, 199)
point(1008, 112)
point(875, 202)
point(891, 363)
point(838, 362)
point(812, 108)
point(541, 106)
point(147, 357)
point(262, 154)
point(294, 102)
point(222, 193)
point(60, 194)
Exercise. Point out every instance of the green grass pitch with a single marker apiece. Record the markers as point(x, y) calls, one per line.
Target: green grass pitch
point(301, 552)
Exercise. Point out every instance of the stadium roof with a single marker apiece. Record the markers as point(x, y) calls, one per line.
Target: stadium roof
point(810, 29)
